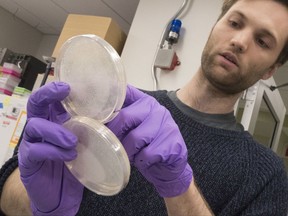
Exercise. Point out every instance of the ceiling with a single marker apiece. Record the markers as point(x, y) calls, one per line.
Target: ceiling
point(48, 16)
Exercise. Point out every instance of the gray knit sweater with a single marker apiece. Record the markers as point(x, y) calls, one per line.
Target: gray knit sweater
point(236, 175)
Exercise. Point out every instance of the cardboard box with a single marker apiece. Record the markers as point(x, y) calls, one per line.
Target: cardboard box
point(103, 27)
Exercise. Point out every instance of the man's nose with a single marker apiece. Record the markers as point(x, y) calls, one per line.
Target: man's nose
point(240, 41)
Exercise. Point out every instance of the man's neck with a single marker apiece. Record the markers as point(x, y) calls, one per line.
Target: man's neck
point(200, 95)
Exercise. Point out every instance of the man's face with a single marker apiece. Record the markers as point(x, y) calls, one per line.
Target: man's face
point(244, 45)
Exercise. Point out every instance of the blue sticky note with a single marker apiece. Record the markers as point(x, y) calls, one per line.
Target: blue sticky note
point(1, 105)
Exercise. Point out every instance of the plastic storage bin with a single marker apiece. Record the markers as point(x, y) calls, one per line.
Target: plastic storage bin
point(12, 69)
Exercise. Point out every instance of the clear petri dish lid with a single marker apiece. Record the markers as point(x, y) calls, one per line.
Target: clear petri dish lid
point(96, 75)
point(102, 164)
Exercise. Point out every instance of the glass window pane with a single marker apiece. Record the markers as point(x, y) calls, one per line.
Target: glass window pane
point(265, 125)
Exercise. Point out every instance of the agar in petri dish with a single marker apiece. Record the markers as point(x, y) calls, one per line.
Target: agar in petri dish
point(102, 164)
point(96, 76)
point(94, 71)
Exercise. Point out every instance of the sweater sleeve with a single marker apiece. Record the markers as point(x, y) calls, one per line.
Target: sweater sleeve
point(272, 200)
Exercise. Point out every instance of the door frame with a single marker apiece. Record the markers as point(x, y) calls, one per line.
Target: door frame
point(253, 98)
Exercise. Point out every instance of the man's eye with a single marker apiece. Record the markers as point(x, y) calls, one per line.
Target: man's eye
point(262, 43)
point(234, 24)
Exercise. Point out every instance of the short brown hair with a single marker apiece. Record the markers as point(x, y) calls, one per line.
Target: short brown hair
point(283, 56)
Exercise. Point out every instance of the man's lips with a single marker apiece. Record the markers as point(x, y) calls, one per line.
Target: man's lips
point(230, 57)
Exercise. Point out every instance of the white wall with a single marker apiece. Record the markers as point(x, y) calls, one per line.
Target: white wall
point(145, 32)
point(46, 46)
point(17, 35)
point(20, 37)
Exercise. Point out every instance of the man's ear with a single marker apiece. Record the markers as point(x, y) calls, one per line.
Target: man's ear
point(271, 71)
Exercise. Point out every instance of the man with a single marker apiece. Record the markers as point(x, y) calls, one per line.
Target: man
point(232, 174)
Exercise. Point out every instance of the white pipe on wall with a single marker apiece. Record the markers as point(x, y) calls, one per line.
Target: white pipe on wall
point(143, 38)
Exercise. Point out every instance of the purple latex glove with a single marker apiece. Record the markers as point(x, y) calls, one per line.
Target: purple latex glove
point(153, 143)
point(45, 146)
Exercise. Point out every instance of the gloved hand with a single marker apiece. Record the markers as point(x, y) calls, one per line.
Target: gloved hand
point(153, 143)
point(45, 146)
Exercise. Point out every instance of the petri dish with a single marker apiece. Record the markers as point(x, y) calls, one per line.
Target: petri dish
point(96, 76)
point(102, 164)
